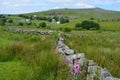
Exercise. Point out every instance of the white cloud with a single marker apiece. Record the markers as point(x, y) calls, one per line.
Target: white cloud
point(102, 1)
point(20, 3)
point(6, 3)
point(10, 4)
point(24, 5)
point(35, 4)
point(16, 5)
point(56, 7)
point(26, 0)
point(84, 5)
point(60, 1)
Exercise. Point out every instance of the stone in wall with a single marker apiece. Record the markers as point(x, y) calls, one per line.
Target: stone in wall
point(105, 74)
point(69, 51)
point(91, 63)
point(61, 51)
point(111, 78)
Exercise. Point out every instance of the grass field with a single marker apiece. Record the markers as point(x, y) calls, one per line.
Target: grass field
point(75, 16)
point(101, 46)
point(29, 57)
point(33, 57)
point(110, 25)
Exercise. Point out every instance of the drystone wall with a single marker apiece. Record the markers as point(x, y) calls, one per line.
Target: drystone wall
point(91, 71)
point(20, 30)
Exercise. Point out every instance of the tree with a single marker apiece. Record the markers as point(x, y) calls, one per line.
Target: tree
point(56, 18)
point(2, 16)
point(49, 19)
point(10, 21)
point(88, 25)
point(29, 23)
point(20, 23)
point(67, 29)
point(63, 20)
point(77, 25)
point(43, 24)
point(2, 22)
point(92, 18)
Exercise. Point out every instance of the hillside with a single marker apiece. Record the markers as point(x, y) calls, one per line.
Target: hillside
point(81, 13)
point(108, 20)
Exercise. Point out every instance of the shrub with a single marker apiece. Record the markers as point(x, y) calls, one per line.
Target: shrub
point(10, 21)
point(29, 23)
point(66, 29)
point(78, 26)
point(89, 24)
point(2, 22)
point(43, 24)
point(63, 20)
point(20, 23)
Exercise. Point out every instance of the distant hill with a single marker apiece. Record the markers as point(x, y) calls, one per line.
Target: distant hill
point(108, 19)
point(80, 13)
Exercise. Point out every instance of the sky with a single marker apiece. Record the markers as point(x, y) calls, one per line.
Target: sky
point(27, 6)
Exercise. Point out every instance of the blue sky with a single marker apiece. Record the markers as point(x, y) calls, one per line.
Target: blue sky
point(26, 6)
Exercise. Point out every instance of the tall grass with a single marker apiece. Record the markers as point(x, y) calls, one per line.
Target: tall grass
point(37, 53)
point(102, 47)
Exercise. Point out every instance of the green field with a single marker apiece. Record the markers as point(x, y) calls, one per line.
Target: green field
point(108, 20)
point(29, 57)
point(101, 46)
point(110, 26)
point(33, 57)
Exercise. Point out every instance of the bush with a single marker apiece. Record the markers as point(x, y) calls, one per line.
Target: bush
point(10, 21)
point(43, 24)
point(77, 26)
point(63, 20)
point(2, 22)
point(20, 23)
point(88, 25)
point(66, 29)
point(29, 23)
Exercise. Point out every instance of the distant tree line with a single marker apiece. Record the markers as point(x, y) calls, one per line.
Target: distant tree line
point(46, 18)
point(8, 21)
point(3, 20)
point(106, 20)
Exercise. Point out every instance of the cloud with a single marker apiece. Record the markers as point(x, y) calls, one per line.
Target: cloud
point(26, 0)
point(38, 5)
point(21, 3)
point(84, 5)
point(56, 7)
point(6, 3)
point(102, 1)
point(60, 1)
